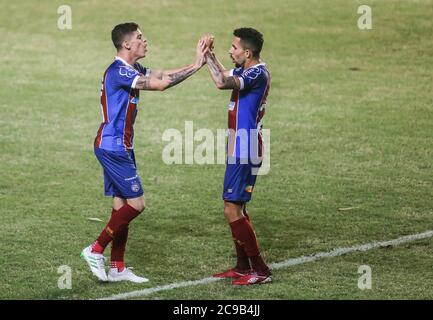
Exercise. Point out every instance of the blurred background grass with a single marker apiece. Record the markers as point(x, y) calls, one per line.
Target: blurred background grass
point(350, 115)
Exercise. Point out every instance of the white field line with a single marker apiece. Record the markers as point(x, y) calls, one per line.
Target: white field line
point(280, 265)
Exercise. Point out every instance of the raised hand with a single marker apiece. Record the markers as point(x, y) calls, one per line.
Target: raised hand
point(201, 51)
point(209, 39)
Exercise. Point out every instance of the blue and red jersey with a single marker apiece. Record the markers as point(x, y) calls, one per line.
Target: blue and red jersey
point(246, 110)
point(119, 105)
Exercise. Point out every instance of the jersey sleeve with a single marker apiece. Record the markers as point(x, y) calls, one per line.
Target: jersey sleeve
point(123, 77)
point(141, 69)
point(235, 72)
point(251, 78)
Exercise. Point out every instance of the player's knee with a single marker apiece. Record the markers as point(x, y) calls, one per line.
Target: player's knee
point(141, 206)
point(227, 210)
point(138, 204)
point(232, 211)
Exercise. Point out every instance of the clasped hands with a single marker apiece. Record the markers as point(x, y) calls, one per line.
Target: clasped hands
point(204, 45)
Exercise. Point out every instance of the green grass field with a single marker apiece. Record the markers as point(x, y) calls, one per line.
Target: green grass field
point(350, 114)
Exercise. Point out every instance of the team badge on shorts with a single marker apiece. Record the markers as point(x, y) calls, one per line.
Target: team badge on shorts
point(135, 187)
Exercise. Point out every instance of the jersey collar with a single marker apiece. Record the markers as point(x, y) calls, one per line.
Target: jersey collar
point(258, 64)
point(123, 61)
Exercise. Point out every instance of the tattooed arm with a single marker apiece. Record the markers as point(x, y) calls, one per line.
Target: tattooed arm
point(161, 80)
point(221, 77)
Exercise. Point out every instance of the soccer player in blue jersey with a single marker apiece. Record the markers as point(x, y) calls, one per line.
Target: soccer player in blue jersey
point(249, 82)
point(113, 144)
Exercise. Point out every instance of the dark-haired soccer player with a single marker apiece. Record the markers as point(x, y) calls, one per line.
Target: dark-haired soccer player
point(250, 82)
point(114, 143)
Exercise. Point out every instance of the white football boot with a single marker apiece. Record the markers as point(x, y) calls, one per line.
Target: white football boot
point(126, 275)
point(96, 262)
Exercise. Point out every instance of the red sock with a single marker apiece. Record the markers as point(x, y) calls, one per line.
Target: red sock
point(118, 245)
point(118, 220)
point(244, 233)
point(243, 263)
point(259, 265)
point(120, 265)
point(104, 238)
point(97, 248)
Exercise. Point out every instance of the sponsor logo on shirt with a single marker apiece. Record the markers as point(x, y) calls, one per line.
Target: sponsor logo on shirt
point(127, 71)
point(252, 73)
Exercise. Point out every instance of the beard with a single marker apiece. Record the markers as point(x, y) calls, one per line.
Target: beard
point(237, 65)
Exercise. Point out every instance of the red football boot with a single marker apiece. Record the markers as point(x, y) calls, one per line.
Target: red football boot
point(231, 274)
point(252, 278)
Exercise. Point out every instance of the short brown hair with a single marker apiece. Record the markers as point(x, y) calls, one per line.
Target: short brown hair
point(120, 31)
